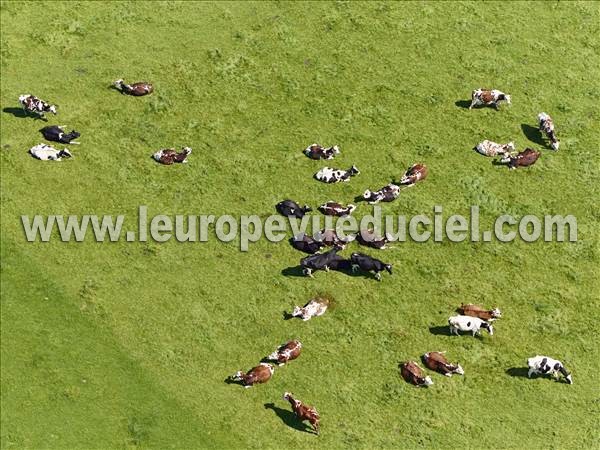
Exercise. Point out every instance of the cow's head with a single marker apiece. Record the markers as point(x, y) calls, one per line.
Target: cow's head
point(388, 267)
point(507, 98)
point(297, 312)
point(354, 170)
point(487, 326)
point(427, 381)
point(459, 370)
point(52, 109)
point(496, 313)
point(65, 154)
point(186, 150)
point(287, 396)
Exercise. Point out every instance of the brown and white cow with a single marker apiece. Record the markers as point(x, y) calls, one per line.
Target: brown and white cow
point(136, 89)
point(32, 104)
point(385, 194)
point(525, 158)
point(487, 97)
point(257, 375)
point(415, 173)
point(316, 151)
point(169, 156)
point(332, 208)
point(412, 373)
point(437, 361)
point(314, 308)
point(490, 148)
point(479, 311)
point(304, 412)
point(371, 239)
point(547, 126)
point(286, 352)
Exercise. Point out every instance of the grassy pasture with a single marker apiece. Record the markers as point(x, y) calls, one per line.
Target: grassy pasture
point(123, 345)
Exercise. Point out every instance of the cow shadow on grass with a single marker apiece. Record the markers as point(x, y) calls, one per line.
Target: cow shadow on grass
point(533, 134)
point(289, 418)
point(463, 104)
point(440, 330)
point(520, 372)
point(18, 112)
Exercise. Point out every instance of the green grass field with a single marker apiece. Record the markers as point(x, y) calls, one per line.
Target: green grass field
point(122, 345)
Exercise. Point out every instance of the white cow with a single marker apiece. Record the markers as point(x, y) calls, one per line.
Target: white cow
point(46, 152)
point(468, 323)
point(490, 148)
point(314, 308)
point(545, 365)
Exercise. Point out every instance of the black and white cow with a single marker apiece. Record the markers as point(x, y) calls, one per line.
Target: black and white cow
point(547, 126)
point(46, 152)
point(545, 365)
point(369, 264)
point(57, 133)
point(320, 261)
point(468, 323)
point(487, 97)
point(332, 208)
point(329, 175)
point(306, 243)
point(290, 208)
point(370, 238)
point(385, 194)
point(316, 151)
point(32, 104)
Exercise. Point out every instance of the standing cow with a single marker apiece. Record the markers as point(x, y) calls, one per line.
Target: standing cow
point(32, 104)
point(468, 323)
point(547, 126)
point(479, 311)
point(304, 412)
point(487, 97)
point(545, 365)
point(369, 264)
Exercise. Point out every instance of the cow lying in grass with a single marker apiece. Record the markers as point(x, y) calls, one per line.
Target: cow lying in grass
point(306, 244)
point(286, 352)
point(546, 125)
point(415, 173)
point(259, 374)
point(490, 148)
point(544, 365)
point(315, 151)
point(385, 194)
point(314, 308)
point(437, 361)
point(46, 152)
point(57, 133)
point(413, 374)
point(369, 238)
point(304, 412)
point(332, 208)
point(290, 208)
point(329, 175)
point(488, 97)
point(32, 104)
point(169, 156)
point(135, 89)
point(526, 158)
point(331, 239)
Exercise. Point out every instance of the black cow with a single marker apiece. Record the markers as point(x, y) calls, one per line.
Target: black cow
point(56, 133)
point(321, 261)
point(369, 264)
point(290, 208)
point(306, 243)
